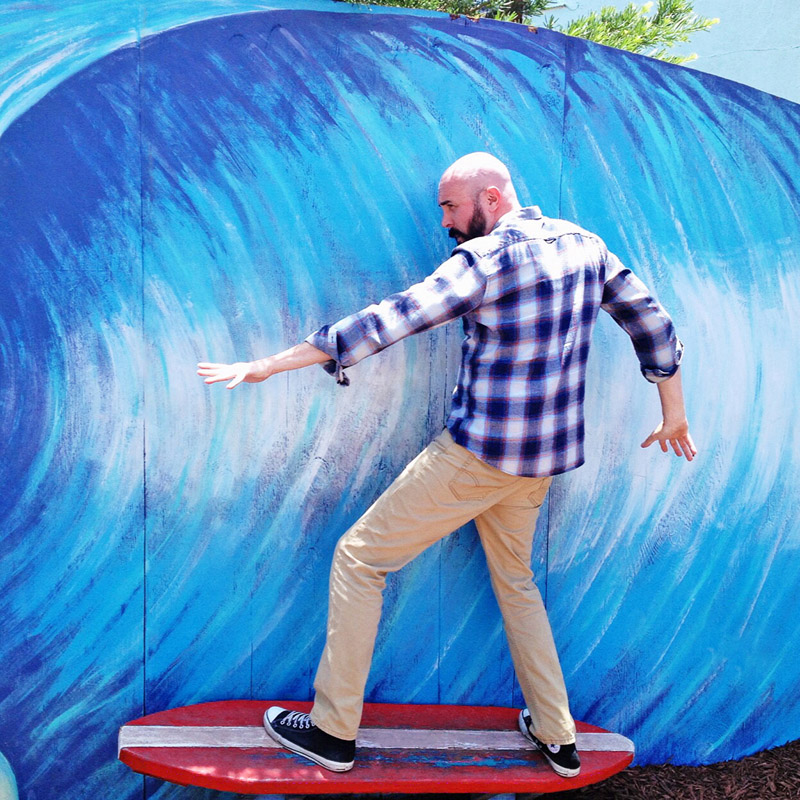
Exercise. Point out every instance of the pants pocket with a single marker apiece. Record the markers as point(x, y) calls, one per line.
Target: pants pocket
point(477, 481)
point(466, 486)
point(537, 496)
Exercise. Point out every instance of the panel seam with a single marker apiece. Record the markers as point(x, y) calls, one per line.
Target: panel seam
point(142, 373)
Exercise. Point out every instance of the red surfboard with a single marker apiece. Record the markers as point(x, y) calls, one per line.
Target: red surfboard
point(400, 748)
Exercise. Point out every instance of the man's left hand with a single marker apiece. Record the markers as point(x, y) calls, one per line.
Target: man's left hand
point(675, 434)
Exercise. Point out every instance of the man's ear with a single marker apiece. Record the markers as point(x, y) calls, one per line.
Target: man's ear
point(493, 197)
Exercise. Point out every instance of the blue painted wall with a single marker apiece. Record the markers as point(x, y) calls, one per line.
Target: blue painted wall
point(223, 188)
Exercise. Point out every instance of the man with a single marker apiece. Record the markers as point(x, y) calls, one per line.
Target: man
point(528, 289)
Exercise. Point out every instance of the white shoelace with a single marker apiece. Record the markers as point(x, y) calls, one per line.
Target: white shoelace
point(297, 720)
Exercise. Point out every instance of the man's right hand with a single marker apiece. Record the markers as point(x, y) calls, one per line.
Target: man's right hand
point(240, 372)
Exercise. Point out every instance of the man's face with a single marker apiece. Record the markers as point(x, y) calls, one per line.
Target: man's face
point(462, 213)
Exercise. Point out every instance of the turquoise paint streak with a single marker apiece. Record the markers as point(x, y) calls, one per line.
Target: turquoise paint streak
point(8, 783)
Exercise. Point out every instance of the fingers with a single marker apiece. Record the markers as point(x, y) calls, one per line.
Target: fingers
point(653, 437)
point(210, 370)
point(215, 376)
point(687, 445)
point(682, 446)
point(215, 373)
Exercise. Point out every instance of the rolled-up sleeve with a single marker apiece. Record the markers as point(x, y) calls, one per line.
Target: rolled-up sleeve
point(640, 315)
point(453, 290)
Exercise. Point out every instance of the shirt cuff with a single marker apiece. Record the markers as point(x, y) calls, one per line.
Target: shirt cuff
point(333, 367)
point(657, 375)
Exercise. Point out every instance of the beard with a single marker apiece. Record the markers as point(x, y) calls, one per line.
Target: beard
point(476, 227)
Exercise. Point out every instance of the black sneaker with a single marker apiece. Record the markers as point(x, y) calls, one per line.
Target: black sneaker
point(563, 758)
point(296, 732)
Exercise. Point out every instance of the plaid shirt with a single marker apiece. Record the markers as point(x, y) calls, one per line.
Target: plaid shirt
point(529, 293)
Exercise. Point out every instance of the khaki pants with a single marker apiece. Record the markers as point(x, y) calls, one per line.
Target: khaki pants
point(444, 487)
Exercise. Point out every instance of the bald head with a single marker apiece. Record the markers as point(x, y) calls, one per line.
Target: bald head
point(474, 193)
point(479, 171)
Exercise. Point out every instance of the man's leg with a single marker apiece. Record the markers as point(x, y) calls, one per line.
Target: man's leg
point(506, 530)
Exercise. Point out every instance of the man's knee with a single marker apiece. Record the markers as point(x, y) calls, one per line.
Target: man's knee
point(354, 560)
point(344, 552)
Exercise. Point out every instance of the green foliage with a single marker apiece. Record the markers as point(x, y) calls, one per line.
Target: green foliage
point(634, 28)
point(638, 29)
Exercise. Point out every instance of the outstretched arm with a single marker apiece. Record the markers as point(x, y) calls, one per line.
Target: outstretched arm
point(301, 355)
point(451, 291)
point(674, 428)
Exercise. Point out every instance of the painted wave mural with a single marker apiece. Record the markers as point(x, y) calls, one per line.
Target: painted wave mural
point(218, 190)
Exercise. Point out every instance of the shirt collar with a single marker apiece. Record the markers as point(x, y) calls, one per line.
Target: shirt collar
point(529, 212)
